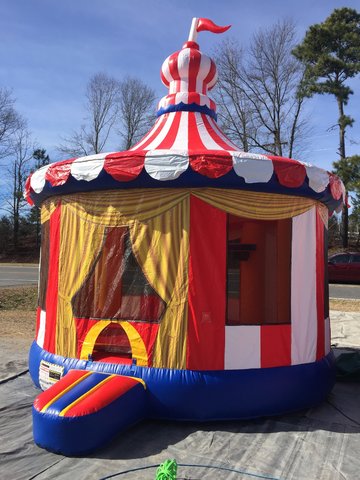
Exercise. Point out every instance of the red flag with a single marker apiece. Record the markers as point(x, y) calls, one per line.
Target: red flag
point(204, 24)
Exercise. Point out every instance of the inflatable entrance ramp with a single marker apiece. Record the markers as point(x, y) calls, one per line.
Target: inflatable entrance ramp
point(84, 410)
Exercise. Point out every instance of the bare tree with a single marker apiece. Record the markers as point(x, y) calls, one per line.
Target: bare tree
point(18, 167)
point(136, 104)
point(102, 94)
point(10, 120)
point(236, 112)
point(264, 91)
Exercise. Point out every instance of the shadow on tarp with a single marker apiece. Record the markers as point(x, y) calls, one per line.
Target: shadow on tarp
point(151, 437)
point(348, 365)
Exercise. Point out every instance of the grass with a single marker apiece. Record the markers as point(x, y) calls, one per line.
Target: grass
point(18, 298)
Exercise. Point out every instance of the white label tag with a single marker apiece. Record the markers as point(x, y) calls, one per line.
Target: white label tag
point(49, 373)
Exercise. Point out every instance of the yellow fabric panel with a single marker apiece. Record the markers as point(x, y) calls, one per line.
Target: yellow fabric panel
point(120, 207)
point(261, 206)
point(161, 247)
point(323, 213)
point(80, 243)
point(48, 208)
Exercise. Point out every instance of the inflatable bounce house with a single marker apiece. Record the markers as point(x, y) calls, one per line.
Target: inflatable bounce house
point(181, 279)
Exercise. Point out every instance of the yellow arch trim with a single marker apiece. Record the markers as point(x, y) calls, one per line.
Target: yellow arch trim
point(136, 342)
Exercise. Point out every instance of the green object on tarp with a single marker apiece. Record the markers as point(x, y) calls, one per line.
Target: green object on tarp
point(167, 470)
point(348, 367)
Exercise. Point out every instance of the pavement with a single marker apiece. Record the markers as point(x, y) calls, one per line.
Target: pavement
point(16, 275)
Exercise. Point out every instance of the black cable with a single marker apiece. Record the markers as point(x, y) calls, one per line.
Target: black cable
point(242, 472)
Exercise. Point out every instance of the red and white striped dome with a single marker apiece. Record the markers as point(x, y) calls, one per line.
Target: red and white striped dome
point(188, 74)
point(187, 148)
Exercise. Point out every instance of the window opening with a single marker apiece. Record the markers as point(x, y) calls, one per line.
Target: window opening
point(258, 271)
point(117, 288)
point(111, 344)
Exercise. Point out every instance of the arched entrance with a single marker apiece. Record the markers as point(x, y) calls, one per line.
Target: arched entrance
point(115, 342)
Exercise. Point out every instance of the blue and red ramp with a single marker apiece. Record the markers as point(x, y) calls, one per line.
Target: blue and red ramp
point(84, 410)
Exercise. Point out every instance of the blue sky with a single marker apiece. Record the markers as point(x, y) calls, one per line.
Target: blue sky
point(49, 49)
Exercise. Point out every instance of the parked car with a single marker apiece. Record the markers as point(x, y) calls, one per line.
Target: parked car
point(344, 267)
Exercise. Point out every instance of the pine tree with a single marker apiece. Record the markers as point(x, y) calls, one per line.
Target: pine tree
point(330, 52)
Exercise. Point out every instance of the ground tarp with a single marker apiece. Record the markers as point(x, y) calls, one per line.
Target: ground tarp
point(322, 443)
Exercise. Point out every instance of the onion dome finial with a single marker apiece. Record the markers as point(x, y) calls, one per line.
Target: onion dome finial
point(189, 74)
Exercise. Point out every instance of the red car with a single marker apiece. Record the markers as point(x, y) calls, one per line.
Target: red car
point(344, 267)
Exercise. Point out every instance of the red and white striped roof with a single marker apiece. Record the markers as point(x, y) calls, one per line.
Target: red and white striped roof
point(186, 138)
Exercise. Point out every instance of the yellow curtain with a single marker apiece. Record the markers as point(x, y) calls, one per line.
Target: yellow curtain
point(323, 213)
point(261, 206)
point(161, 246)
point(115, 208)
point(48, 208)
point(80, 244)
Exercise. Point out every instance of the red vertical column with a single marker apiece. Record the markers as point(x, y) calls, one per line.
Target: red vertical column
point(320, 287)
point(207, 287)
point(53, 281)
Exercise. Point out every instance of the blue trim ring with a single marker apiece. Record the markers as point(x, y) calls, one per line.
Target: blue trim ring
point(215, 395)
point(187, 107)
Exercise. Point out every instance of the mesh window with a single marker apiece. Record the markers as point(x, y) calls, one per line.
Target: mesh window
point(258, 271)
point(117, 287)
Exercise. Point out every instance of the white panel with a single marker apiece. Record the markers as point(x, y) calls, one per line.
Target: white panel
point(88, 168)
point(221, 134)
point(183, 68)
point(318, 178)
point(41, 332)
point(242, 347)
point(303, 289)
point(166, 165)
point(327, 336)
point(181, 140)
point(205, 64)
point(155, 127)
point(163, 132)
point(253, 168)
point(37, 181)
point(205, 137)
point(166, 71)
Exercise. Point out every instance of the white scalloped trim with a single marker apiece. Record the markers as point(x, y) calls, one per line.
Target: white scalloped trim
point(318, 178)
point(253, 167)
point(88, 168)
point(37, 181)
point(163, 165)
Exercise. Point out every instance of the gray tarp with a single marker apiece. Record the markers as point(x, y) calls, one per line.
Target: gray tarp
point(320, 443)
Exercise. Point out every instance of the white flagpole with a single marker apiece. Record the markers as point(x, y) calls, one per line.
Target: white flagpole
point(193, 33)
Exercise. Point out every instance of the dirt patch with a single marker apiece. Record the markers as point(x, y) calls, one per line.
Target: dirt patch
point(17, 323)
point(345, 305)
point(18, 312)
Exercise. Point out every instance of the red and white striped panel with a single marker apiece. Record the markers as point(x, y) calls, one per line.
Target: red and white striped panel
point(259, 346)
point(189, 70)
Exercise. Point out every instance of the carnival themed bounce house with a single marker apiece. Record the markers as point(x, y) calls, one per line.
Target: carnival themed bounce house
point(181, 279)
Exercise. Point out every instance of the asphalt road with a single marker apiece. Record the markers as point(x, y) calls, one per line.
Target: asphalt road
point(12, 275)
point(345, 291)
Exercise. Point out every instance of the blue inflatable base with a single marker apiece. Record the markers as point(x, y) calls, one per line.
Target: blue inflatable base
point(80, 435)
point(214, 395)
